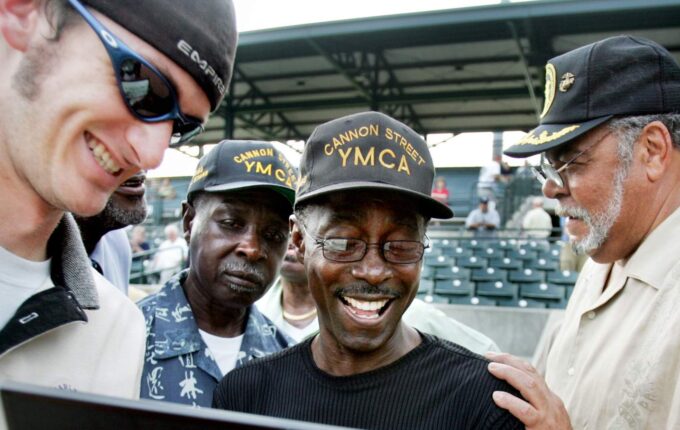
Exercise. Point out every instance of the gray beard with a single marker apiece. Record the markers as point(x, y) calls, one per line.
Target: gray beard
point(599, 224)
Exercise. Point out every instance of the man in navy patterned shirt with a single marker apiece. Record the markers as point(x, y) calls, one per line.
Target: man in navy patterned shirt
point(202, 324)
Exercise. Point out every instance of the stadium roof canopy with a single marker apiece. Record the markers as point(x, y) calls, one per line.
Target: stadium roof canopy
point(459, 70)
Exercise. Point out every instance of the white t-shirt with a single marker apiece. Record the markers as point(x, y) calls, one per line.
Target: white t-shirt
point(488, 174)
point(19, 280)
point(224, 350)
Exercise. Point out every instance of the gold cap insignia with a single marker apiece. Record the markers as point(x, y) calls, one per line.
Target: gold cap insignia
point(566, 81)
point(550, 78)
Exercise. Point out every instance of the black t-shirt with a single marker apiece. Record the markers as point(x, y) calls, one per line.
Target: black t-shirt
point(437, 385)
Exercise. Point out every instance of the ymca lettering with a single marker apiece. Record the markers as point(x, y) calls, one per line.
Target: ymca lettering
point(354, 154)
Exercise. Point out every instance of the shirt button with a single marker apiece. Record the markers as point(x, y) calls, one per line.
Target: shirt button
point(571, 371)
point(591, 315)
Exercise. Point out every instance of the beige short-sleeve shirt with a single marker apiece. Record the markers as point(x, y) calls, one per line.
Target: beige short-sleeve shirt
point(616, 360)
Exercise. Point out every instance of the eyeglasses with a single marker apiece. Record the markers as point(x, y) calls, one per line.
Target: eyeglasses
point(147, 93)
point(546, 172)
point(345, 250)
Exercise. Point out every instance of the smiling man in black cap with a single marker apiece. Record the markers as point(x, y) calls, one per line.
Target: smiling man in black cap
point(610, 133)
point(361, 213)
point(202, 323)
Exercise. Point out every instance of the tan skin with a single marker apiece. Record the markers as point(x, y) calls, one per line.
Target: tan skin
point(237, 240)
point(47, 166)
point(651, 195)
point(347, 345)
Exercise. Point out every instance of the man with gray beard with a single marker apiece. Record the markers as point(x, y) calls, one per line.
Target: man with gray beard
point(105, 240)
point(610, 137)
point(202, 323)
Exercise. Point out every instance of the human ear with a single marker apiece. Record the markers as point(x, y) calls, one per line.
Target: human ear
point(188, 215)
point(297, 238)
point(18, 21)
point(656, 148)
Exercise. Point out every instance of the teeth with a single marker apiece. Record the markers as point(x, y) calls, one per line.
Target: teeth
point(366, 305)
point(102, 156)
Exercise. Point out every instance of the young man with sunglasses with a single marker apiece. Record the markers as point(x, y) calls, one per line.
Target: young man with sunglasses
point(361, 213)
point(610, 134)
point(91, 93)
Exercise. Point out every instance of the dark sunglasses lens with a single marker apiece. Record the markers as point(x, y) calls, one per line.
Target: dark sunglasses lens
point(185, 131)
point(145, 91)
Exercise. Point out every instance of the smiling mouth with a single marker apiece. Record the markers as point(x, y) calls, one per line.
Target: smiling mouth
point(102, 155)
point(366, 309)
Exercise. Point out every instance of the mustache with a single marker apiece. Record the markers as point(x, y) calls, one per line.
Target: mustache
point(244, 270)
point(364, 288)
point(573, 212)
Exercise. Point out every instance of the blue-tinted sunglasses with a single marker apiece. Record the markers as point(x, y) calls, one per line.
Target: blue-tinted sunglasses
point(148, 94)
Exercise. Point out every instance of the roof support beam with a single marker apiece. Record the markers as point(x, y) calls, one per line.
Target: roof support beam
point(525, 68)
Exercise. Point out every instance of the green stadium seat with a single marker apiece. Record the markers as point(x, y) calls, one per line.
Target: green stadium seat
point(497, 289)
point(506, 263)
point(472, 262)
point(542, 264)
point(526, 276)
point(488, 274)
point(542, 291)
point(438, 261)
point(522, 254)
point(454, 272)
point(521, 303)
point(475, 301)
point(454, 287)
point(563, 277)
point(426, 286)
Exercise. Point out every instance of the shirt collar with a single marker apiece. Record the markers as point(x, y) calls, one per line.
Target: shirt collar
point(175, 321)
point(657, 254)
point(70, 266)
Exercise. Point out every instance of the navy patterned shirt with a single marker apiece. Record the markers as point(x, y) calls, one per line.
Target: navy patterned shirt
point(178, 366)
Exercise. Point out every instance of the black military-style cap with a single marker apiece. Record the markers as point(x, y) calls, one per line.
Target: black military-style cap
point(239, 164)
point(369, 150)
point(618, 76)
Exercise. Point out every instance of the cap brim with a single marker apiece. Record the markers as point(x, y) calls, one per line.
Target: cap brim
point(286, 192)
point(428, 206)
point(549, 136)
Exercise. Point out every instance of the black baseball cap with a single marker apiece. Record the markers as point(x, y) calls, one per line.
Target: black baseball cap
point(199, 36)
point(618, 76)
point(238, 164)
point(369, 150)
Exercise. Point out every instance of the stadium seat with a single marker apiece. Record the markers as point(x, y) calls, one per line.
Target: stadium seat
point(560, 304)
point(426, 286)
point(542, 291)
point(521, 303)
point(427, 272)
point(552, 255)
point(564, 277)
point(489, 252)
point(542, 264)
point(454, 287)
point(475, 301)
point(506, 245)
point(439, 261)
point(506, 263)
point(434, 298)
point(472, 262)
point(522, 254)
point(498, 289)
point(488, 274)
point(526, 276)
point(460, 252)
point(454, 272)
point(474, 244)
